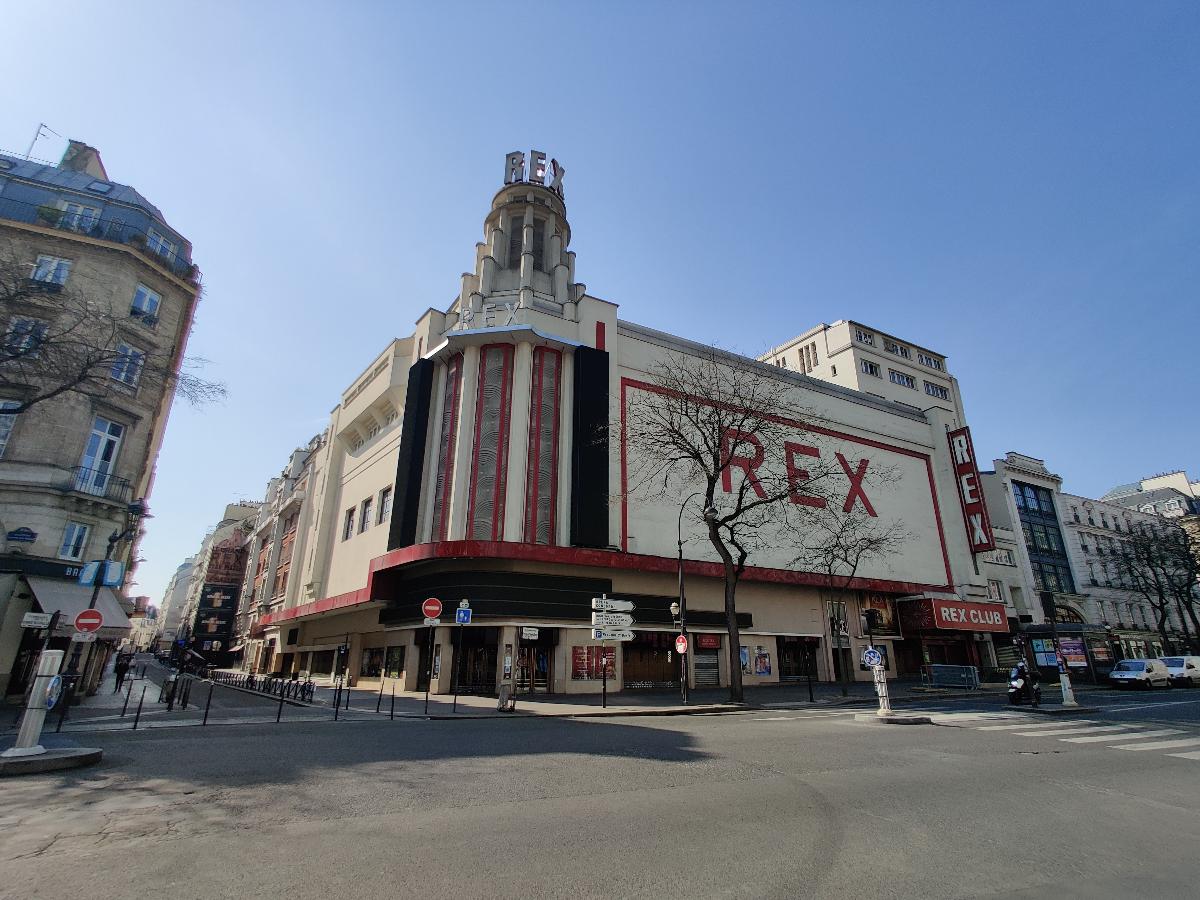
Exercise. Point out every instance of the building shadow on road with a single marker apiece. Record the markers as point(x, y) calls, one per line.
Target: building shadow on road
point(247, 755)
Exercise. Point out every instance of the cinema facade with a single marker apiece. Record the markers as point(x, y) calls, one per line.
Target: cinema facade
point(473, 460)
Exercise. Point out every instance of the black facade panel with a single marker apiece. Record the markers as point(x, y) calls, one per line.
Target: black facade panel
point(411, 462)
point(589, 450)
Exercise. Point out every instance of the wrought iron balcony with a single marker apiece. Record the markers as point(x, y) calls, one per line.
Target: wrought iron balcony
point(99, 483)
point(103, 228)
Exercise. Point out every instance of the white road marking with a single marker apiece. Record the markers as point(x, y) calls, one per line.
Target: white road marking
point(1083, 730)
point(1032, 724)
point(1159, 745)
point(1195, 754)
point(1109, 709)
point(1130, 736)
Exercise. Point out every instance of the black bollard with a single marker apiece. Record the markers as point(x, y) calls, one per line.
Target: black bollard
point(138, 715)
point(125, 705)
point(208, 703)
point(279, 712)
point(66, 701)
point(392, 714)
point(379, 699)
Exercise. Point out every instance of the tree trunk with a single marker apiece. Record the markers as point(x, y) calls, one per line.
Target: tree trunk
point(1191, 614)
point(735, 638)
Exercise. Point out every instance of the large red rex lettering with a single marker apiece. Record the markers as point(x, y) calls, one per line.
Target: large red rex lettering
point(733, 440)
point(856, 488)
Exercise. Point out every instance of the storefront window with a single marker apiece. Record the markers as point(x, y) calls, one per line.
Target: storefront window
point(372, 663)
point(393, 666)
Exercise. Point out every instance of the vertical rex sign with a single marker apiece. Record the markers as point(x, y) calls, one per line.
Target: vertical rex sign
point(970, 493)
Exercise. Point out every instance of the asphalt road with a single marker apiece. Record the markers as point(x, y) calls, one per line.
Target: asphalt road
point(773, 803)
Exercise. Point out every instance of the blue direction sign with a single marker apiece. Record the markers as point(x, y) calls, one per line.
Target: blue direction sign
point(462, 616)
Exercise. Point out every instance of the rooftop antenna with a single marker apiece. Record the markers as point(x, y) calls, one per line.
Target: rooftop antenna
point(42, 126)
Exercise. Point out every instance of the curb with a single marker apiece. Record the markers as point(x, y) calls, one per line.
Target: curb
point(53, 760)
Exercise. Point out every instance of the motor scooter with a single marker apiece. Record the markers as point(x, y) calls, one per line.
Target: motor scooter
point(1022, 688)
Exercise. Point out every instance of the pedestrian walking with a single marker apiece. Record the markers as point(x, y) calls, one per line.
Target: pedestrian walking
point(120, 669)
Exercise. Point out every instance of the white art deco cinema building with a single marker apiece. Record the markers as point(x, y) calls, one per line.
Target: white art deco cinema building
point(475, 460)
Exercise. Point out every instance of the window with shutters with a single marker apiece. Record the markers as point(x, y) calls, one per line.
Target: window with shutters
point(485, 510)
point(541, 481)
point(446, 444)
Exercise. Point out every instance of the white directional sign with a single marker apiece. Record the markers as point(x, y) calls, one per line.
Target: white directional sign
point(529, 634)
point(603, 604)
point(84, 637)
point(611, 620)
point(610, 634)
point(35, 620)
point(431, 622)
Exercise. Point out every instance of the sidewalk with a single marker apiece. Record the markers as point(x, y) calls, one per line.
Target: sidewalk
point(637, 703)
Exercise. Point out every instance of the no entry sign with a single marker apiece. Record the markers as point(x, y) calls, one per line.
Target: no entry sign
point(88, 621)
point(432, 608)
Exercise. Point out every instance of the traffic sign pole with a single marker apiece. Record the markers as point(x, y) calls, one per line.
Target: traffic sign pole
point(432, 608)
point(463, 605)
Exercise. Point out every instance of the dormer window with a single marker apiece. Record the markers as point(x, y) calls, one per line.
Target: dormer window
point(156, 243)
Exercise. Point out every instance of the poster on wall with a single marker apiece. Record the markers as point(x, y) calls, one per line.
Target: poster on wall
point(747, 669)
point(888, 624)
point(586, 662)
point(437, 660)
point(762, 661)
point(1074, 655)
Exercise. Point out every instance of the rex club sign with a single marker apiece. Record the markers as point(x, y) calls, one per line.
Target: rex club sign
point(970, 494)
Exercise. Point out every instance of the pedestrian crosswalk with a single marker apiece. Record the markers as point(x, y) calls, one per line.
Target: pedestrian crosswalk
point(1173, 742)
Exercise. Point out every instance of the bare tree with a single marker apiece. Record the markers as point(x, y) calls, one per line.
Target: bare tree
point(59, 340)
point(713, 423)
point(835, 543)
point(1158, 560)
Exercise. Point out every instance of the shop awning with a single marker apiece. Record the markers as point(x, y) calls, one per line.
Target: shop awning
point(70, 598)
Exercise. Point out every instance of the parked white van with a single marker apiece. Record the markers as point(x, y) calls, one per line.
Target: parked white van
point(1146, 673)
point(1184, 671)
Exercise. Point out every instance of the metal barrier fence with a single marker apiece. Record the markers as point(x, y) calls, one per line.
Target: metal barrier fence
point(284, 688)
point(936, 675)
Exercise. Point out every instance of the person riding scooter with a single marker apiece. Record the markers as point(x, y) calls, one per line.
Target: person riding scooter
point(1023, 686)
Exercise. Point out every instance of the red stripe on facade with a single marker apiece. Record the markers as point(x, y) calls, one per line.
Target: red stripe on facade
point(501, 478)
point(535, 445)
point(502, 445)
point(624, 476)
point(324, 605)
point(554, 445)
point(600, 336)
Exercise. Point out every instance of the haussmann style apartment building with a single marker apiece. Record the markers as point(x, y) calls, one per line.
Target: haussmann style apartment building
point(473, 460)
point(86, 259)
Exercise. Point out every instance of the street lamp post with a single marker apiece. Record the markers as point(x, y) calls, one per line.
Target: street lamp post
point(679, 608)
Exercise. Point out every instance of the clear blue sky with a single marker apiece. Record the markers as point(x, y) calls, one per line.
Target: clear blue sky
point(1012, 184)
